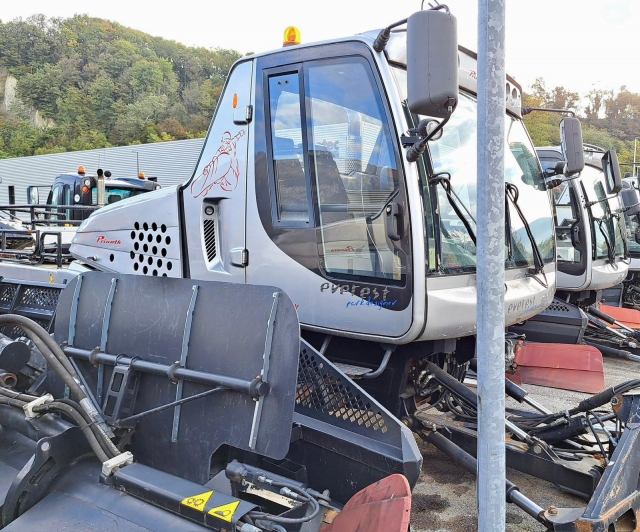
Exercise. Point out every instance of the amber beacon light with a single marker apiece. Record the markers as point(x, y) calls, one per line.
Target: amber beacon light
point(291, 36)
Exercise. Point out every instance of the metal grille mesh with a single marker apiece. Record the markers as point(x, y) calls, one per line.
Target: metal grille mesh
point(322, 390)
point(17, 332)
point(558, 307)
point(40, 298)
point(7, 294)
point(210, 238)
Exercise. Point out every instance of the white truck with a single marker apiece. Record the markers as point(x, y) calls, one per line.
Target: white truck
point(344, 174)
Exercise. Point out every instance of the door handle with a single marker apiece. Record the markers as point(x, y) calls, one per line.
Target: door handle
point(575, 234)
point(394, 221)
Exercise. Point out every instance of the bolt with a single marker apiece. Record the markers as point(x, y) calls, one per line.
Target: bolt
point(615, 401)
point(552, 510)
point(537, 449)
point(388, 210)
point(45, 446)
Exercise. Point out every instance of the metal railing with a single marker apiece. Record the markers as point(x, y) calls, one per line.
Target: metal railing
point(36, 253)
point(43, 214)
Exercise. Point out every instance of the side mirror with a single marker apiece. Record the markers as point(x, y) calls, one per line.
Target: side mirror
point(33, 197)
point(432, 63)
point(571, 143)
point(630, 199)
point(611, 169)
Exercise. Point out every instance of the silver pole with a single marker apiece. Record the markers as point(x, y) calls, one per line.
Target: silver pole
point(490, 255)
point(635, 145)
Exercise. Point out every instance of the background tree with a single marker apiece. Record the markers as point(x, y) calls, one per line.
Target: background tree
point(99, 84)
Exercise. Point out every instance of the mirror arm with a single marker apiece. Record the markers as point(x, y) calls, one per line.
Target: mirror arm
point(385, 34)
point(527, 110)
point(414, 153)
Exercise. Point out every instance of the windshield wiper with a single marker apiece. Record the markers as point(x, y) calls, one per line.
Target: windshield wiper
point(608, 217)
point(512, 193)
point(610, 251)
point(443, 179)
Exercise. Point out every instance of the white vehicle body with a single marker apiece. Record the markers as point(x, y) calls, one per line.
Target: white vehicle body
point(591, 233)
point(313, 194)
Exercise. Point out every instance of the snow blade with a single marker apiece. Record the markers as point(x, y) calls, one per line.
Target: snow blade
point(382, 507)
point(567, 367)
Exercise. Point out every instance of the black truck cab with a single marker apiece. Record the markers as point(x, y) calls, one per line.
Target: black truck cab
point(82, 189)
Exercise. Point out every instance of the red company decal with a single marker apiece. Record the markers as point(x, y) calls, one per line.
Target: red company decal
point(348, 249)
point(223, 170)
point(103, 240)
point(473, 74)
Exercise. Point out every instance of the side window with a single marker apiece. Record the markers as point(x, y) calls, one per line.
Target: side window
point(57, 198)
point(291, 187)
point(354, 171)
point(67, 200)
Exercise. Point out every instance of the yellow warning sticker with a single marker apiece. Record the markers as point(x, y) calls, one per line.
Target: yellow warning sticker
point(51, 279)
point(225, 512)
point(198, 502)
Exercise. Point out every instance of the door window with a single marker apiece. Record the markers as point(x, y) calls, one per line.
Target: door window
point(566, 218)
point(291, 188)
point(335, 167)
point(354, 171)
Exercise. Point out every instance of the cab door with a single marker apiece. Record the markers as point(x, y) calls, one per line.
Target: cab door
point(214, 199)
point(330, 223)
point(572, 239)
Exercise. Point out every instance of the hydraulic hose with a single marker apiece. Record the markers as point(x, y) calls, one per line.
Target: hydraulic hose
point(612, 351)
point(62, 366)
point(604, 397)
point(73, 410)
point(304, 498)
point(11, 402)
point(470, 464)
point(43, 342)
point(453, 385)
point(78, 418)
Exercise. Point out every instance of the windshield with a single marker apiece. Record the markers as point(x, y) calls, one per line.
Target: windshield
point(114, 194)
point(607, 222)
point(455, 153)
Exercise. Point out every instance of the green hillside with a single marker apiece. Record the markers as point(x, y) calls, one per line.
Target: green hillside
point(83, 83)
point(95, 84)
point(610, 119)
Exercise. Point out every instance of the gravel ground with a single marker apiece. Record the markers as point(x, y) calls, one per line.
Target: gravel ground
point(444, 500)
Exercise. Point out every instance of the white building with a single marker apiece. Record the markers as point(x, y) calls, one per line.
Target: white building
point(171, 162)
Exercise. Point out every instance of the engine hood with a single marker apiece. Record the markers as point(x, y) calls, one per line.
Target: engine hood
point(139, 235)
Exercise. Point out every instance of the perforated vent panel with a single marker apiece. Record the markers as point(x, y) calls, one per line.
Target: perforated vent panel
point(322, 389)
point(210, 238)
point(150, 249)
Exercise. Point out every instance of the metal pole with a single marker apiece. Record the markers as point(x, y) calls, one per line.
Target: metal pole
point(635, 144)
point(490, 270)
